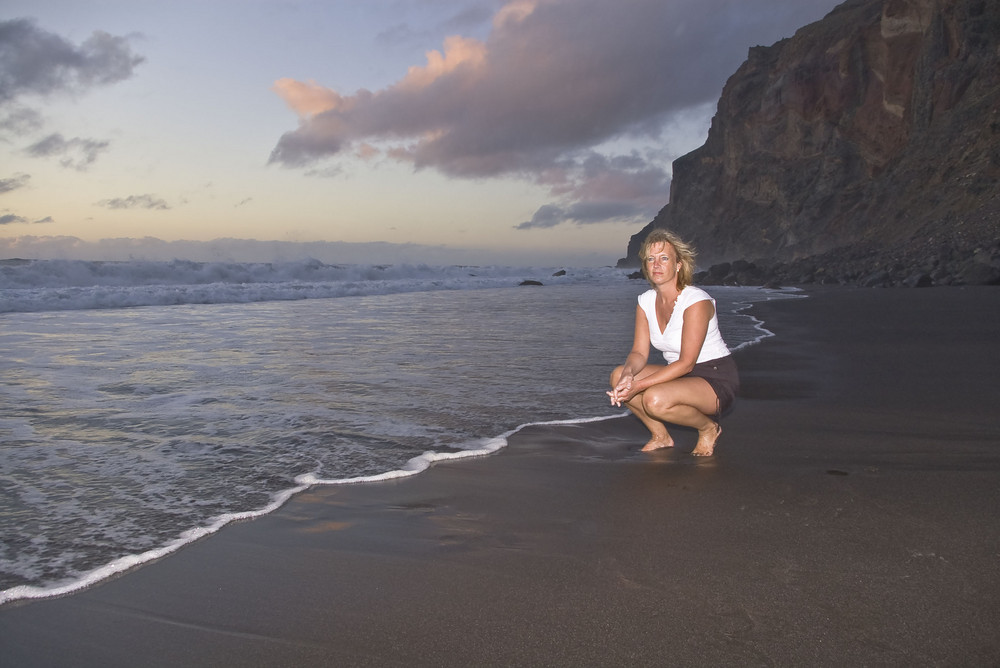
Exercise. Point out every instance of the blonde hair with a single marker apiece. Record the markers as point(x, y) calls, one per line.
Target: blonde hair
point(684, 253)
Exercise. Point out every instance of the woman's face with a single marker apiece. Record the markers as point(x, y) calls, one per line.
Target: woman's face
point(661, 263)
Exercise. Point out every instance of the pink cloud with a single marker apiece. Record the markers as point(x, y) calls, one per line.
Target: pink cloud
point(306, 99)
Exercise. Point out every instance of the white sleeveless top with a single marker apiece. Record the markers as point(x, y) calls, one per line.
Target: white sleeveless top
point(669, 340)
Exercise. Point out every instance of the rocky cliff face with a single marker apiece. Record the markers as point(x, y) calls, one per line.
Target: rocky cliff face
point(874, 132)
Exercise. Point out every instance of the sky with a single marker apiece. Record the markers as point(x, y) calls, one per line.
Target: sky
point(440, 131)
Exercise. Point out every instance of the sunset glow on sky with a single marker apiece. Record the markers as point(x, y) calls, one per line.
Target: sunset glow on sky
point(473, 131)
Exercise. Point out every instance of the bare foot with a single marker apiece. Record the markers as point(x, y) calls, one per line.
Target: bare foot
point(658, 443)
point(706, 440)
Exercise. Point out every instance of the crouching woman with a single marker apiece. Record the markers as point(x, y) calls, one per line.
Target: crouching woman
point(699, 381)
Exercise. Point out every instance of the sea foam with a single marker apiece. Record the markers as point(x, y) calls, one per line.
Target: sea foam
point(303, 482)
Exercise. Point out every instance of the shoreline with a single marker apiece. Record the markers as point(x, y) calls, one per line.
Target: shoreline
point(847, 518)
point(485, 446)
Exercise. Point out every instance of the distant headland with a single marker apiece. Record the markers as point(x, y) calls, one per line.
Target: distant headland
point(863, 150)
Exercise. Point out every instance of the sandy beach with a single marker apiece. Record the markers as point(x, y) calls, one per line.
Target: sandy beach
point(849, 518)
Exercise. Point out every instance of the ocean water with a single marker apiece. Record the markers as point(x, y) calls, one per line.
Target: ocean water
point(144, 405)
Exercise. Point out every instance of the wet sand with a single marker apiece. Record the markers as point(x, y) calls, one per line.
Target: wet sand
point(849, 518)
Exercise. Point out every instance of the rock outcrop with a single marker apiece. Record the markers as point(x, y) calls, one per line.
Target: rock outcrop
point(871, 138)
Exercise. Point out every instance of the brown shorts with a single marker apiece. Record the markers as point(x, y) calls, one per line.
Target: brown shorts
point(722, 375)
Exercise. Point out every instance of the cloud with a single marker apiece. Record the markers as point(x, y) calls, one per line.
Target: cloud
point(581, 213)
point(18, 121)
point(595, 188)
point(253, 250)
point(10, 218)
point(13, 183)
point(76, 153)
point(555, 82)
point(458, 19)
point(134, 202)
point(36, 62)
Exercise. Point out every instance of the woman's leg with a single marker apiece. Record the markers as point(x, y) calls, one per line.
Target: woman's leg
point(686, 401)
point(660, 436)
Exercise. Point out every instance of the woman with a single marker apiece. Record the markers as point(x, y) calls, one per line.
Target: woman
point(699, 381)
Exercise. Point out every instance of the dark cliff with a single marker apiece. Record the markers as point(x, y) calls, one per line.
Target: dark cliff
point(869, 135)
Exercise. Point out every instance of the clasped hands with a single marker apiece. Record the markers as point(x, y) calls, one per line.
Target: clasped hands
point(622, 391)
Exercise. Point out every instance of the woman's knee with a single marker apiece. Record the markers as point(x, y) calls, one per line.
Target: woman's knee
point(616, 374)
point(657, 400)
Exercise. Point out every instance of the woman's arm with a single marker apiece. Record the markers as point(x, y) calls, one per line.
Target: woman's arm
point(696, 319)
point(639, 355)
point(635, 362)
